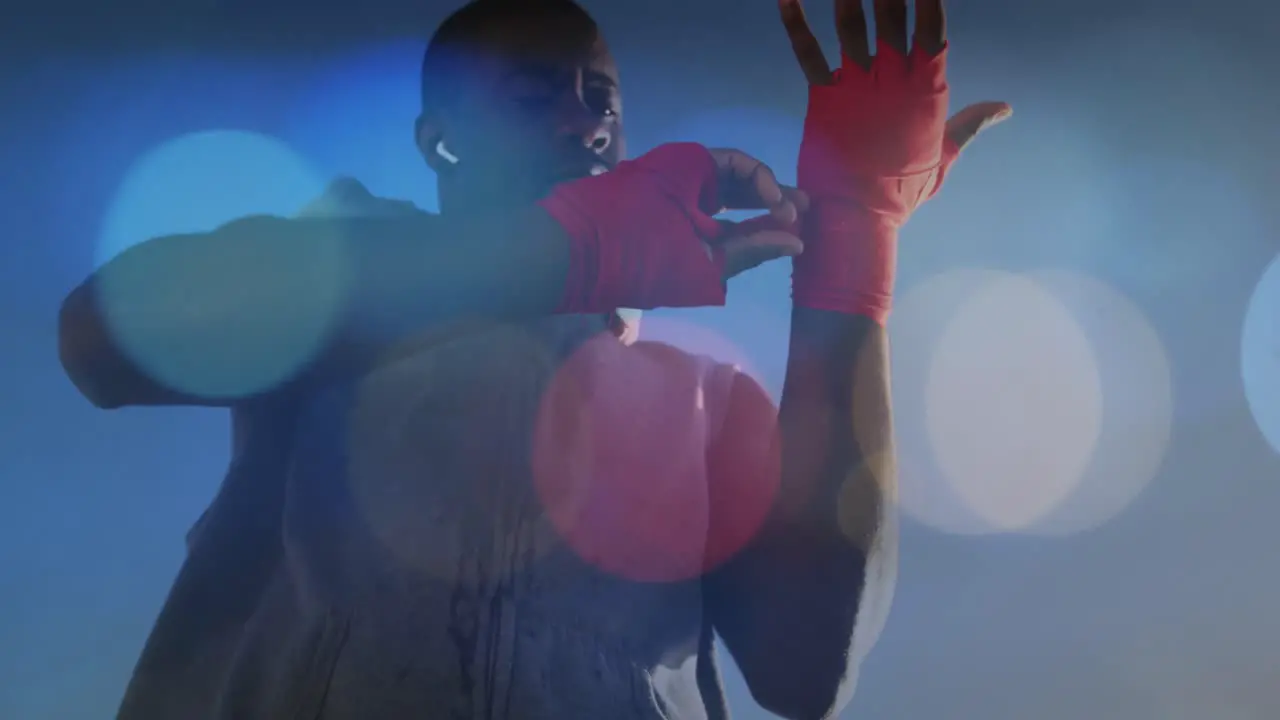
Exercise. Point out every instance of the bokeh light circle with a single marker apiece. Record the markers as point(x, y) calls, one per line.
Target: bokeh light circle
point(1014, 402)
point(998, 401)
point(439, 447)
point(920, 317)
point(1260, 354)
point(620, 461)
point(697, 339)
point(1138, 403)
point(196, 183)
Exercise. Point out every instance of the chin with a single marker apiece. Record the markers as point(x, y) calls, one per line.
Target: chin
point(562, 178)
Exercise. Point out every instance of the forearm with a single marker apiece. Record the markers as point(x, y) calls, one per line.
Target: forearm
point(786, 607)
point(233, 292)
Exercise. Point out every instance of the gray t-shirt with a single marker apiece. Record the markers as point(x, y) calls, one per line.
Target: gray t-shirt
point(379, 549)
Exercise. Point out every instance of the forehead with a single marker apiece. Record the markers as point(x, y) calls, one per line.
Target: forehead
point(542, 42)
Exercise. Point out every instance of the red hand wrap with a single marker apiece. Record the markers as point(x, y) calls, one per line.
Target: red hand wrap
point(638, 234)
point(874, 149)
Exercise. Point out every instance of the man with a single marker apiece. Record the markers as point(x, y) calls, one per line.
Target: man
point(441, 514)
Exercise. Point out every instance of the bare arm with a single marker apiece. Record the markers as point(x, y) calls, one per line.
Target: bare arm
point(231, 290)
point(786, 606)
point(358, 285)
point(802, 604)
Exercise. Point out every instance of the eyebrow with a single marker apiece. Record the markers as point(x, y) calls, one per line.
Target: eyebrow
point(595, 77)
point(549, 74)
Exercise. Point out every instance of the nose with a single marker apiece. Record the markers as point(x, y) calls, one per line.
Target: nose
point(580, 124)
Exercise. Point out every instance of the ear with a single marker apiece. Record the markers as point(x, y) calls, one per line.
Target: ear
point(427, 134)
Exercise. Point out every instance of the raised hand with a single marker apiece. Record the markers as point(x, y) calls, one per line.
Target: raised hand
point(882, 114)
point(877, 143)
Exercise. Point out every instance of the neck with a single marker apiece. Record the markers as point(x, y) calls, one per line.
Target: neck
point(458, 199)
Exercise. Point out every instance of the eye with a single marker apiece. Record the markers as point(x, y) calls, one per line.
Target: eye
point(603, 101)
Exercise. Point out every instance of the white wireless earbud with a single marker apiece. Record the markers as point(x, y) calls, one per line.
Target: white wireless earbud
point(443, 152)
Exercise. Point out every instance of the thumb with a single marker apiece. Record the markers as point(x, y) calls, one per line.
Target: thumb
point(965, 125)
point(744, 251)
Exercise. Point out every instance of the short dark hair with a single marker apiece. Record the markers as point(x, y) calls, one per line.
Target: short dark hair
point(459, 31)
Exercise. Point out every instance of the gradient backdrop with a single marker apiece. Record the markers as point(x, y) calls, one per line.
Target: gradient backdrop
point(1087, 346)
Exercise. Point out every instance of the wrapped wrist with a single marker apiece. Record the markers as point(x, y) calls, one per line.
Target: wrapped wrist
point(849, 263)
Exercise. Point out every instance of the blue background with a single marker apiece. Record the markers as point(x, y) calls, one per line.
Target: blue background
point(1142, 157)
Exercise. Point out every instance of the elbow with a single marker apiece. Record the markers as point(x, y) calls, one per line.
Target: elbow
point(85, 351)
point(790, 625)
point(794, 696)
point(795, 669)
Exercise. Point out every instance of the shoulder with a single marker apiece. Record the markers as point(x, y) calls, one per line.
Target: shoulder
point(346, 197)
point(344, 200)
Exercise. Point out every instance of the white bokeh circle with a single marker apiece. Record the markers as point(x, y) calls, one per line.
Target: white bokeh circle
point(196, 183)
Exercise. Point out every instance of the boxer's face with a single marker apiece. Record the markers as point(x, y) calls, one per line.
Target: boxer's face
point(536, 102)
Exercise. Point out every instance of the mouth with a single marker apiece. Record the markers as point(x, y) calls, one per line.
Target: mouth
point(578, 173)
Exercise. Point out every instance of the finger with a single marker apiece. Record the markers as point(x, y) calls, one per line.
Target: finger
point(788, 216)
point(748, 184)
point(931, 26)
point(798, 198)
point(808, 52)
point(851, 27)
point(765, 185)
point(891, 23)
point(747, 251)
point(965, 125)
